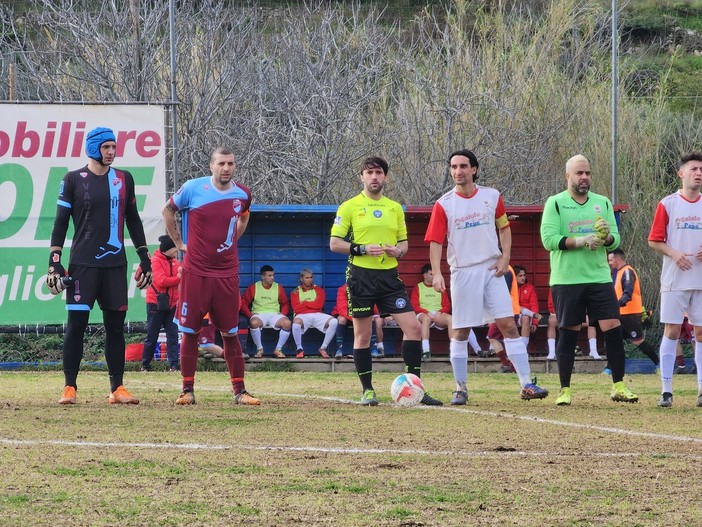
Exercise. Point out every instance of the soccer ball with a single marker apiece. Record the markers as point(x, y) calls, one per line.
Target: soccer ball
point(407, 389)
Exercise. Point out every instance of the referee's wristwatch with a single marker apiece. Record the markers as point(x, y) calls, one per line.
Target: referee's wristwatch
point(363, 250)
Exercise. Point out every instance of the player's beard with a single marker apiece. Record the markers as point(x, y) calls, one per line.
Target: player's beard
point(224, 181)
point(375, 190)
point(582, 190)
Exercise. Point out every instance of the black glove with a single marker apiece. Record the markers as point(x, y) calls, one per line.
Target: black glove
point(54, 281)
point(143, 275)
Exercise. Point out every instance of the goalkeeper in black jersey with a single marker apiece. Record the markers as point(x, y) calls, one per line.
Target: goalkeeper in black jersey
point(99, 200)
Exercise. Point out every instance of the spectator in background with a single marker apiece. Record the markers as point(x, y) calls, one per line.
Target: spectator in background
point(627, 287)
point(687, 336)
point(166, 278)
point(529, 304)
point(215, 211)
point(344, 318)
point(471, 218)
point(307, 302)
point(266, 305)
point(100, 200)
point(207, 346)
point(341, 311)
point(676, 234)
point(576, 227)
point(433, 309)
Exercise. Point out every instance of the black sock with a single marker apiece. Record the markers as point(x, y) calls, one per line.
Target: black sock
point(565, 355)
point(615, 352)
point(412, 355)
point(73, 345)
point(648, 350)
point(114, 346)
point(364, 367)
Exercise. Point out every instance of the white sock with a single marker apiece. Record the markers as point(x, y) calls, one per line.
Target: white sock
point(256, 337)
point(459, 362)
point(425, 345)
point(473, 341)
point(282, 339)
point(330, 332)
point(297, 335)
point(698, 363)
point(380, 347)
point(517, 353)
point(593, 346)
point(551, 346)
point(667, 355)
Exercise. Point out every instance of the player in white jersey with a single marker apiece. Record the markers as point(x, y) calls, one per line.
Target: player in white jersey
point(676, 233)
point(469, 217)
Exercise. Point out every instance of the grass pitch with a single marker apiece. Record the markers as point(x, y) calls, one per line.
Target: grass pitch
point(311, 456)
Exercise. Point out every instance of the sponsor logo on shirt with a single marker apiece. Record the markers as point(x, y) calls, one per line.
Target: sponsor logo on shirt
point(475, 219)
point(688, 223)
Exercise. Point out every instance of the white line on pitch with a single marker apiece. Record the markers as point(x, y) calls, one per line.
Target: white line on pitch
point(485, 413)
point(322, 450)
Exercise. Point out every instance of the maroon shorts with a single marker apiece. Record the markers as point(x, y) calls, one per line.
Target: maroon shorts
point(207, 335)
point(200, 295)
point(494, 332)
point(686, 331)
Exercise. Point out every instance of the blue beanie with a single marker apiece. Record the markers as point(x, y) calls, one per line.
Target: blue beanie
point(96, 137)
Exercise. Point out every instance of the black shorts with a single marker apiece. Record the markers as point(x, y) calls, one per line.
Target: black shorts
point(107, 285)
point(574, 302)
point(632, 327)
point(376, 287)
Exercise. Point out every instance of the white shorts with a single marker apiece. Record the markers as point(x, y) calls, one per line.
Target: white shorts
point(268, 319)
point(313, 320)
point(433, 324)
point(478, 296)
point(675, 304)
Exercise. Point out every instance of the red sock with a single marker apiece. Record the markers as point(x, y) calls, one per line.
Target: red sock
point(235, 362)
point(188, 360)
point(502, 355)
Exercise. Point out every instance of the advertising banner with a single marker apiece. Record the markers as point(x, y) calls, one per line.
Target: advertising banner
point(39, 143)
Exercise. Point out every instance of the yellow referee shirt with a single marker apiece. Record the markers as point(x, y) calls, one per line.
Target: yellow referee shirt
point(367, 221)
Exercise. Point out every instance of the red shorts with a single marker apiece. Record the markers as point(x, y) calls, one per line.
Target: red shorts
point(202, 294)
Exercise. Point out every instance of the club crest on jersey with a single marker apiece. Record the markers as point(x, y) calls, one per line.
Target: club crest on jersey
point(237, 206)
point(598, 209)
point(400, 303)
point(377, 213)
point(82, 174)
point(206, 187)
point(115, 182)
